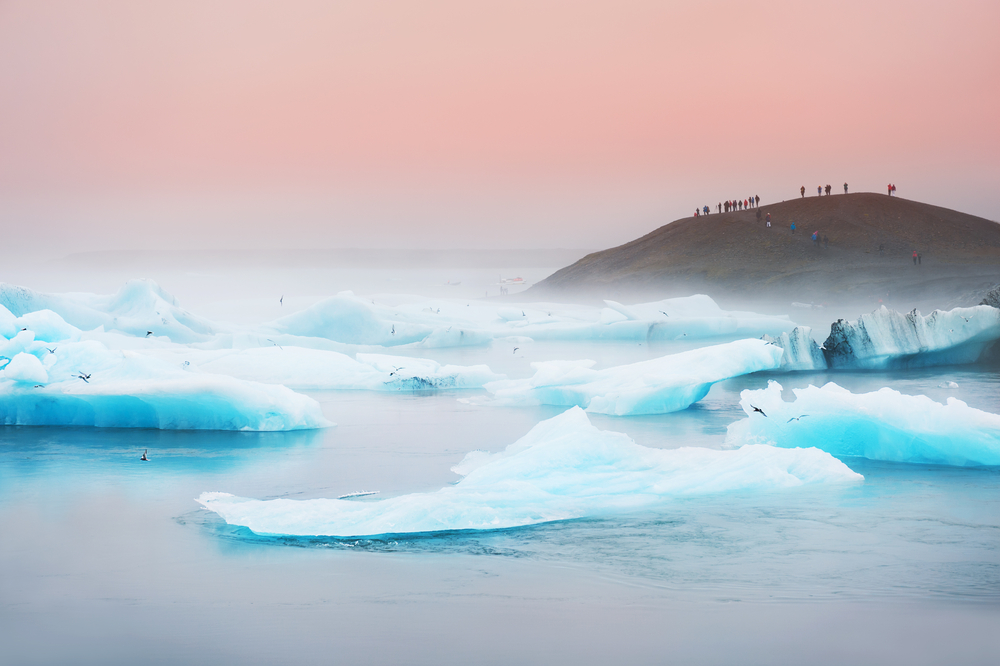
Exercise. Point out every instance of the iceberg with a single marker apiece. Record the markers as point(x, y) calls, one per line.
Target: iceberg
point(657, 386)
point(801, 351)
point(86, 384)
point(882, 425)
point(888, 339)
point(317, 369)
point(564, 468)
point(139, 307)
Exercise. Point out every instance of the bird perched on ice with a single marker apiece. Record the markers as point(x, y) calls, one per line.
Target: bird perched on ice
point(145, 451)
point(758, 409)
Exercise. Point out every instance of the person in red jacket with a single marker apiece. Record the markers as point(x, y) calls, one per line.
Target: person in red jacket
point(914, 257)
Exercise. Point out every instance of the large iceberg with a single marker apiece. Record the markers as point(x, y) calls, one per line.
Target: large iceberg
point(883, 425)
point(139, 308)
point(317, 369)
point(86, 384)
point(564, 468)
point(889, 339)
point(657, 386)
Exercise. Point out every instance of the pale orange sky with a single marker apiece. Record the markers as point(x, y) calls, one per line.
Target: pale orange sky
point(477, 124)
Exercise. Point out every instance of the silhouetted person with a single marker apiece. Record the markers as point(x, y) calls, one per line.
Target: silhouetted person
point(756, 200)
point(819, 190)
point(890, 189)
point(828, 190)
point(920, 258)
point(845, 188)
point(720, 208)
point(802, 191)
point(914, 257)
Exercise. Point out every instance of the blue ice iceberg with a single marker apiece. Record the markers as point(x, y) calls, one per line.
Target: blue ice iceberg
point(801, 353)
point(564, 468)
point(883, 425)
point(86, 384)
point(657, 386)
point(889, 339)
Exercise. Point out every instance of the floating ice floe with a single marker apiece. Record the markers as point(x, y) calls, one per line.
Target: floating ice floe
point(657, 386)
point(889, 339)
point(139, 308)
point(86, 384)
point(883, 425)
point(317, 369)
point(564, 468)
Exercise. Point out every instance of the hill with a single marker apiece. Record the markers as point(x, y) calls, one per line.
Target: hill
point(735, 254)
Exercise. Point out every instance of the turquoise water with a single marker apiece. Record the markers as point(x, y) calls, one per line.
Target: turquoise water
point(106, 559)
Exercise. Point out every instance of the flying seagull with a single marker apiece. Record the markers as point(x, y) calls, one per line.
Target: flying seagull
point(393, 329)
point(796, 418)
point(394, 370)
point(148, 333)
point(281, 301)
point(664, 313)
point(84, 377)
point(274, 343)
point(515, 349)
point(758, 409)
point(52, 351)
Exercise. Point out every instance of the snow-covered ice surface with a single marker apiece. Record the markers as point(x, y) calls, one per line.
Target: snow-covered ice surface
point(564, 468)
point(882, 425)
point(889, 339)
point(657, 386)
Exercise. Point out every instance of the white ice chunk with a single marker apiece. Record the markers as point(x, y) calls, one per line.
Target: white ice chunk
point(90, 385)
point(564, 468)
point(25, 368)
point(883, 425)
point(657, 386)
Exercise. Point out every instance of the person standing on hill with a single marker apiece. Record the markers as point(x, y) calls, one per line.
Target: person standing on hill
point(720, 208)
point(756, 200)
point(705, 210)
point(819, 190)
point(890, 189)
point(746, 204)
point(793, 227)
point(914, 257)
point(768, 219)
point(893, 189)
point(845, 188)
point(920, 258)
point(802, 191)
point(828, 189)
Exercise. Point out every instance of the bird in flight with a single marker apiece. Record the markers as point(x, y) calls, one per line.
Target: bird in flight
point(51, 350)
point(281, 301)
point(394, 370)
point(515, 349)
point(796, 418)
point(84, 377)
point(148, 333)
point(664, 313)
point(758, 409)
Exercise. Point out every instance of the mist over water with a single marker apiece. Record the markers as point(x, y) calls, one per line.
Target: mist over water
point(114, 555)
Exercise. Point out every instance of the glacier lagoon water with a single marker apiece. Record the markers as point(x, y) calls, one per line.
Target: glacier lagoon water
point(114, 556)
point(107, 559)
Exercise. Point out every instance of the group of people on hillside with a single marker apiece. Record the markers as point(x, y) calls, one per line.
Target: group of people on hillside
point(731, 205)
point(829, 190)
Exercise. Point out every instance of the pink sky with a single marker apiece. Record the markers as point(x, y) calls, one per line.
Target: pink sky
point(474, 124)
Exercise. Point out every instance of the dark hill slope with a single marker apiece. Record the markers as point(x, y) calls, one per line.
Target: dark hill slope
point(735, 254)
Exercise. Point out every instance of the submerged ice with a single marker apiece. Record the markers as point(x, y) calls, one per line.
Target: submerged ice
point(657, 386)
point(564, 468)
point(882, 425)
